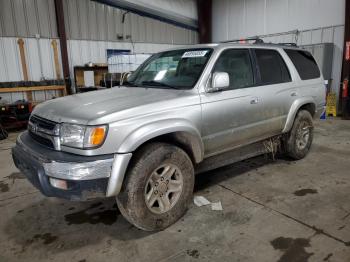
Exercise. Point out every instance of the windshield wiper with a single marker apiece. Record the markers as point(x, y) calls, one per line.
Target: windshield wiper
point(156, 83)
point(127, 83)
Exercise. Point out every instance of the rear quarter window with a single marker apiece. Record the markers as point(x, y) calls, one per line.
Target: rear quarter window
point(304, 63)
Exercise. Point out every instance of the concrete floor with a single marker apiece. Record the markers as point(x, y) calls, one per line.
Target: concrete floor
point(273, 211)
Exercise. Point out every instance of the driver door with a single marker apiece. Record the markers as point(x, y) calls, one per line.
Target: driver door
point(229, 115)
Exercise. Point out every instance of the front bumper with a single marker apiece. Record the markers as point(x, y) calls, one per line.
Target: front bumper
point(86, 177)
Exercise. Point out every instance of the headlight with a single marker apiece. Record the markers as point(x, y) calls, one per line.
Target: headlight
point(82, 136)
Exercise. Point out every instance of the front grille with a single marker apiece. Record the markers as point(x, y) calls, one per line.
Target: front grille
point(43, 123)
point(42, 131)
point(42, 140)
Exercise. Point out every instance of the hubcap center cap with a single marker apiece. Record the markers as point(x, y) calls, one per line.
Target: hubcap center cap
point(162, 187)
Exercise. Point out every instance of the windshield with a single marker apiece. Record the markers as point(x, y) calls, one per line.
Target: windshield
point(178, 69)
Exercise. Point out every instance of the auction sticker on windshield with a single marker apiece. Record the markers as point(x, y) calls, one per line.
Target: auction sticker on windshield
point(198, 53)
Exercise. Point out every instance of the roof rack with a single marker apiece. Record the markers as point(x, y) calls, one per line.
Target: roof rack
point(288, 44)
point(256, 39)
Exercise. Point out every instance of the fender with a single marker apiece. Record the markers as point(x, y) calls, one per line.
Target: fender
point(294, 109)
point(163, 127)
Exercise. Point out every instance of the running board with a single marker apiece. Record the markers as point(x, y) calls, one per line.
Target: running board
point(236, 155)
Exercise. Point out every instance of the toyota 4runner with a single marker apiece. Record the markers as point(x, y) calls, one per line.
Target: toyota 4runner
point(182, 112)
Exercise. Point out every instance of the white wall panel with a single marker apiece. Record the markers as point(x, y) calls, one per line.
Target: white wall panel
point(276, 12)
point(3, 65)
point(33, 59)
point(254, 19)
point(241, 18)
point(47, 59)
point(39, 59)
point(11, 58)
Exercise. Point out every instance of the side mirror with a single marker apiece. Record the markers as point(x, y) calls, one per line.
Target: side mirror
point(219, 81)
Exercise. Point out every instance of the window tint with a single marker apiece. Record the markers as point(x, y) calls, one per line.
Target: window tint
point(304, 63)
point(237, 64)
point(272, 68)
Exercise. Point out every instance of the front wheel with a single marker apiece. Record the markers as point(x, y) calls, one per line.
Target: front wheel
point(158, 187)
point(299, 139)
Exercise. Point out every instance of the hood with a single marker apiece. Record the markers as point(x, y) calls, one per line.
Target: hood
point(88, 108)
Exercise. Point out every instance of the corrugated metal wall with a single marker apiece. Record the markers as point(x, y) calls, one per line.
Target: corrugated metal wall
point(39, 57)
point(186, 8)
point(88, 20)
point(241, 18)
point(27, 18)
point(90, 27)
point(318, 21)
point(40, 64)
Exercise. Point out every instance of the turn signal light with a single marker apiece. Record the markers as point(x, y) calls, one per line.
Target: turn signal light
point(97, 136)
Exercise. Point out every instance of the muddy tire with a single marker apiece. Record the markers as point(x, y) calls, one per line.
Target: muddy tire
point(299, 139)
point(158, 187)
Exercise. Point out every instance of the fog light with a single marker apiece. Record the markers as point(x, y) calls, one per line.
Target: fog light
point(58, 183)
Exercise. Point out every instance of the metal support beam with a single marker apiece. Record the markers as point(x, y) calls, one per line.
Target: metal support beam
point(166, 16)
point(345, 101)
point(63, 43)
point(204, 8)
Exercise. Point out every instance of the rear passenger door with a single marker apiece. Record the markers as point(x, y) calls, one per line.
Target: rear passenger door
point(274, 92)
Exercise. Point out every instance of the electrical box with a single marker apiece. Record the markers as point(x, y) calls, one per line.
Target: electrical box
point(323, 54)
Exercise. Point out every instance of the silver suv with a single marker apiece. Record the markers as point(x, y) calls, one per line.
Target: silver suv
point(182, 112)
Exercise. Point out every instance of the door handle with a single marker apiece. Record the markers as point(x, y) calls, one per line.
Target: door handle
point(294, 94)
point(254, 101)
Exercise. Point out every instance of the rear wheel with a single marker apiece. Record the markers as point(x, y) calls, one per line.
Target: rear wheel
point(299, 139)
point(158, 188)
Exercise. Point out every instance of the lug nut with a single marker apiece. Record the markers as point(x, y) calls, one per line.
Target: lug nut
point(156, 184)
point(162, 178)
point(156, 192)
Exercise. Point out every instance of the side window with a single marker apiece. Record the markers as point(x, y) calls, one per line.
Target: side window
point(237, 63)
point(304, 63)
point(273, 69)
